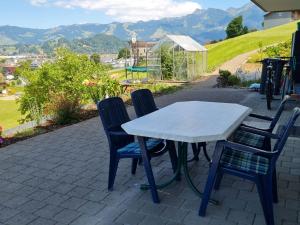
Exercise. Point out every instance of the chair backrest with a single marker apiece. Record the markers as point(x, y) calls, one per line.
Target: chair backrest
point(113, 114)
point(143, 102)
point(278, 113)
point(283, 133)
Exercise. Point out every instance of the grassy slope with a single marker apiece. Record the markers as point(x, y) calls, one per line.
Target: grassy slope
point(9, 114)
point(226, 50)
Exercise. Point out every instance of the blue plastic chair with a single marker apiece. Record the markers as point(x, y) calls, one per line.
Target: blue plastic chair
point(258, 141)
point(113, 114)
point(246, 137)
point(144, 104)
point(249, 163)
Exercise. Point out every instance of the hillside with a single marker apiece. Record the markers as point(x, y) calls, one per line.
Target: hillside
point(226, 50)
point(203, 25)
point(100, 43)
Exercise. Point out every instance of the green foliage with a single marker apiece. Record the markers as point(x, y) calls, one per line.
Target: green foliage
point(1, 78)
point(236, 28)
point(64, 108)
point(166, 62)
point(63, 77)
point(224, 74)
point(95, 58)
point(280, 50)
point(233, 80)
point(124, 53)
point(227, 79)
point(105, 87)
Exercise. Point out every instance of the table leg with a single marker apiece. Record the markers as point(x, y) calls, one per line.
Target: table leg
point(182, 162)
point(183, 149)
point(176, 176)
point(205, 151)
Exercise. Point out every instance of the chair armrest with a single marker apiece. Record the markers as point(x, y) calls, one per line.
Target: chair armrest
point(259, 132)
point(256, 128)
point(257, 116)
point(245, 148)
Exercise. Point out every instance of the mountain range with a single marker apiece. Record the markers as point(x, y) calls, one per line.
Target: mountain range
point(203, 25)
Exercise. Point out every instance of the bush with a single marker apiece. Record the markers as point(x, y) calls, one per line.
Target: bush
point(224, 74)
point(227, 79)
point(65, 75)
point(106, 87)
point(65, 109)
point(233, 80)
point(280, 50)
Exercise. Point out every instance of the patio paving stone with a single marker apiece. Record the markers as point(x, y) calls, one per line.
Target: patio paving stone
point(61, 178)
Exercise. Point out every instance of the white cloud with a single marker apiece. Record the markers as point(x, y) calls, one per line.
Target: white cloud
point(129, 10)
point(38, 2)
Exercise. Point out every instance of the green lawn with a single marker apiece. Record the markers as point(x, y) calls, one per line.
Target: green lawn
point(9, 114)
point(226, 50)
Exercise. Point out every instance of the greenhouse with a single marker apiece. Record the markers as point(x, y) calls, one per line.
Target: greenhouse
point(176, 57)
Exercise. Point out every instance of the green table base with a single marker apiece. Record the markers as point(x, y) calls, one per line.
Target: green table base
point(182, 163)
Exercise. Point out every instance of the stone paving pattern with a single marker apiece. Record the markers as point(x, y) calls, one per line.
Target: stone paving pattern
point(61, 178)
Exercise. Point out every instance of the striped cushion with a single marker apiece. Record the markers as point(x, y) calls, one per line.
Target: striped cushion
point(244, 161)
point(247, 138)
point(134, 147)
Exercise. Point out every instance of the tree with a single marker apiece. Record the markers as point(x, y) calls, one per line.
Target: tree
point(124, 53)
point(236, 28)
point(95, 58)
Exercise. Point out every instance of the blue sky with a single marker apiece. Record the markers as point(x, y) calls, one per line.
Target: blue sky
point(51, 13)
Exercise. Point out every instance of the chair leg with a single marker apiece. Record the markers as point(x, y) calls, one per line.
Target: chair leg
point(218, 180)
point(148, 170)
point(173, 155)
point(134, 165)
point(214, 169)
point(113, 167)
point(275, 191)
point(264, 188)
point(196, 151)
point(207, 191)
point(140, 161)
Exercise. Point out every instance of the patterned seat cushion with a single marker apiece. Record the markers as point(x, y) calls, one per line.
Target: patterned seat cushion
point(244, 161)
point(247, 138)
point(134, 147)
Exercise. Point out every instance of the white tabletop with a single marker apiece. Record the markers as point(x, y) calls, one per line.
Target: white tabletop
point(191, 122)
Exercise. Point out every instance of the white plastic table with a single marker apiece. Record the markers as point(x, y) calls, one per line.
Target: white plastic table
point(186, 122)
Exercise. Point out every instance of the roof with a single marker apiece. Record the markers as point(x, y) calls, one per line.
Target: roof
point(187, 43)
point(142, 44)
point(277, 5)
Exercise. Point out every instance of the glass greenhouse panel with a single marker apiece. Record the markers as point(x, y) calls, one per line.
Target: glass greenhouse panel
point(177, 57)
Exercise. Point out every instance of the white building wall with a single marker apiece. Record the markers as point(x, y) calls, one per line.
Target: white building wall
point(276, 19)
